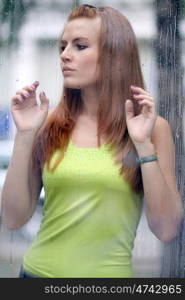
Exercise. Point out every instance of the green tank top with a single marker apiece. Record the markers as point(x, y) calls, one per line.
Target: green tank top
point(90, 218)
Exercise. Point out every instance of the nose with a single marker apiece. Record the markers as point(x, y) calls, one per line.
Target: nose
point(65, 55)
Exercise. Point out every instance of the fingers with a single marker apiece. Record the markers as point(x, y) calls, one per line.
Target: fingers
point(25, 92)
point(29, 88)
point(144, 99)
point(137, 89)
point(44, 101)
point(129, 110)
point(147, 103)
point(21, 96)
point(16, 99)
point(140, 95)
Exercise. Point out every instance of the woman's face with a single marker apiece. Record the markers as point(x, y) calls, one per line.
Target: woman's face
point(79, 52)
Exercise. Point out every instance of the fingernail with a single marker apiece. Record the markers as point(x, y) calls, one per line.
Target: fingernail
point(35, 84)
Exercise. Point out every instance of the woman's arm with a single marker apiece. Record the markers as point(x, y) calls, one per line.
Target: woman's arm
point(22, 184)
point(151, 134)
point(164, 210)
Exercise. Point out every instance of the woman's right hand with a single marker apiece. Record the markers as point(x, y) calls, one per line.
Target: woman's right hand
point(27, 114)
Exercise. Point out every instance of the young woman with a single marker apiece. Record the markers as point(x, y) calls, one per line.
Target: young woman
point(97, 154)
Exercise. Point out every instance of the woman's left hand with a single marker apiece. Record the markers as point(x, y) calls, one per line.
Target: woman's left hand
point(140, 127)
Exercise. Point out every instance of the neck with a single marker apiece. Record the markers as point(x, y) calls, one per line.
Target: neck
point(90, 100)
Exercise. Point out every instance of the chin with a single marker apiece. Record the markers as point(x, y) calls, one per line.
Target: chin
point(72, 86)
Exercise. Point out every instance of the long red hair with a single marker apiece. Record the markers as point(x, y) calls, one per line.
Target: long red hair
point(119, 69)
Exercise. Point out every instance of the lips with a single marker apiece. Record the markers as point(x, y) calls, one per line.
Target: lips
point(67, 69)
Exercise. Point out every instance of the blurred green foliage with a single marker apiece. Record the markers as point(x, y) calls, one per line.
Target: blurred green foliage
point(12, 16)
point(14, 12)
point(183, 8)
point(75, 3)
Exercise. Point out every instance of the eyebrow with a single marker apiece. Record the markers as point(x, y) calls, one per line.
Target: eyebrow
point(75, 40)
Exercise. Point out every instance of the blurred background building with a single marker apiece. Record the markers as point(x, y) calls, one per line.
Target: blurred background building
point(29, 32)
